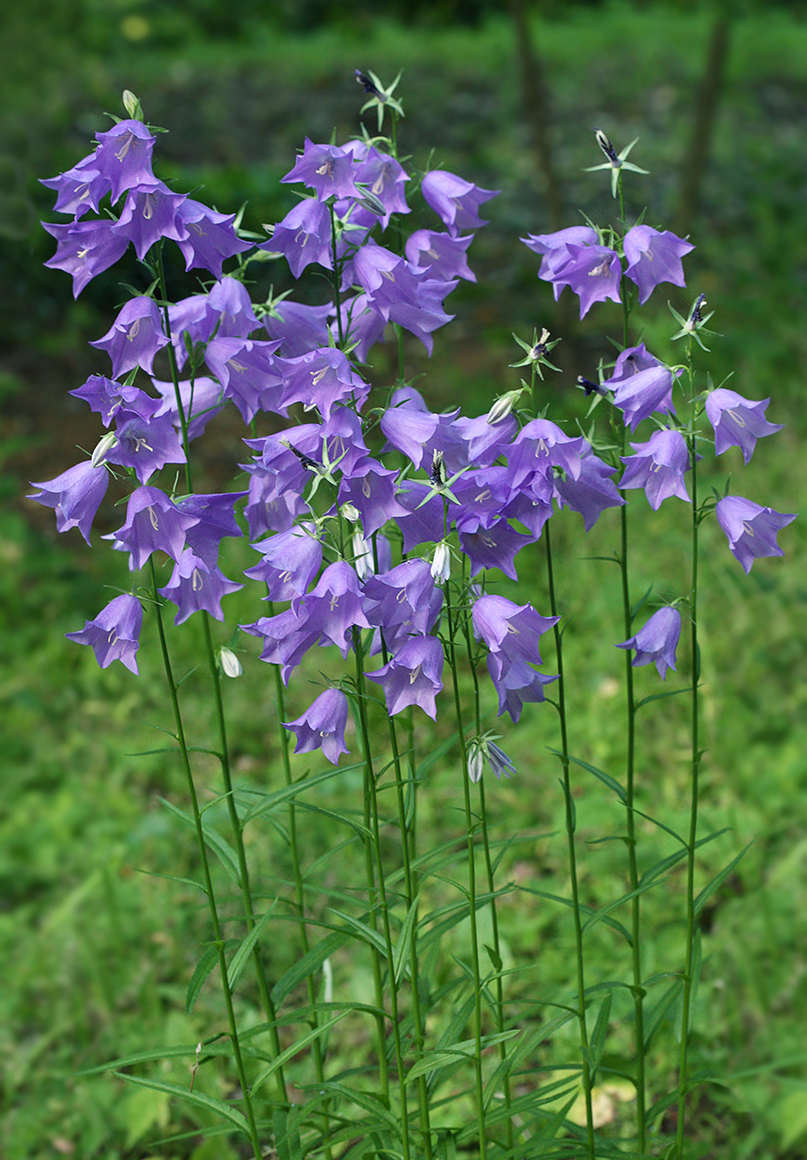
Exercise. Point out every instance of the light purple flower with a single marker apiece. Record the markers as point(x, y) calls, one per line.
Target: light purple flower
point(303, 237)
point(153, 523)
point(641, 384)
point(135, 336)
point(123, 156)
point(327, 169)
point(737, 421)
point(150, 213)
point(114, 635)
point(75, 495)
point(455, 201)
point(85, 249)
point(197, 585)
point(751, 529)
point(322, 726)
point(658, 466)
point(654, 257)
point(208, 238)
point(592, 272)
point(657, 641)
point(413, 676)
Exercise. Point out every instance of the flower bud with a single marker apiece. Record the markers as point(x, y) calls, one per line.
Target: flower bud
point(441, 563)
point(503, 406)
point(230, 664)
point(105, 443)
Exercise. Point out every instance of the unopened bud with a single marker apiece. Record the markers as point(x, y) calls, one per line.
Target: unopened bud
point(132, 105)
point(105, 443)
point(230, 664)
point(441, 563)
point(503, 406)
point(350, 512)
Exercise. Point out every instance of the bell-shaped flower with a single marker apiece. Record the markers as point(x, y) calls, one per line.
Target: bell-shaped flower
point(403, 602)
point(322, 726)
point(321, 378)
point(455, 201)
point(153, 523)
point(303, 237)
point(209, 238)
point(114, 635)
point(654, 257)
point(493, 547)
point(442, 254)
point(249, 373)
point(298, 327)
point(592, 272)
point(413, 676)
point(335, 606)
point(592, 492)
point(216, 520)
point(641, 384)
point(197, 585)
point(145, 445)
point(751, 529)
point(75, 496)
point(657, 641)
point(371, 489)
point(290, 562)
point(79, 189)
point(135, 337)
point(658, 466)
point(510, 629)
point(327, 169)
point(150, 213)
point(737, 422)
point(85, 249)
point(202, 399)
point(123, 156)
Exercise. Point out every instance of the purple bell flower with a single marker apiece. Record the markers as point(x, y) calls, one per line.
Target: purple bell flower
point(322, 726)
point(413, 676)
point(657, 641)
point(641, 384)
point(751, 529)
point(208, 238)
point(658, 466)
point(303, 237)
point(654, 257)
point(150, 213)
point(455, 201)
point(114, 635)
point(75, 495)
point(85, 249)
point(737, 421)
point(197, 585)
point(135, 336)
point(153, 523)
point(123, 156)
point(327, 169)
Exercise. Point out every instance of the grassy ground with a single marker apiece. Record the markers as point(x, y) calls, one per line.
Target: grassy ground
point(97, 953)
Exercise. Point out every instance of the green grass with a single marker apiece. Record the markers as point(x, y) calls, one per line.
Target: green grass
point(97, 953)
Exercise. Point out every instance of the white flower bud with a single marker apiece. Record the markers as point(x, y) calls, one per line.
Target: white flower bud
point(230, 664)
point(350, 512)
point(441, 563)
point(502, 407)
point(105, 443)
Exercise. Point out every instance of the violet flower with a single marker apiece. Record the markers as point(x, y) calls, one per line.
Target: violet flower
point(135, 336)
point(751, 529)
point(114, 635)
point(75, 496)
point(455, 201)
point(737, 421)
point(413, 676)
point(657, 641)
point(322, 726)
point(654, 257)
point(658, 466)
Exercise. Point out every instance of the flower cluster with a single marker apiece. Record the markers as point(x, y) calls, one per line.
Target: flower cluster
point(356, 512)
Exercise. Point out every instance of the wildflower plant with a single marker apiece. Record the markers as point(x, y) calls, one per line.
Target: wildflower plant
point(383, 531)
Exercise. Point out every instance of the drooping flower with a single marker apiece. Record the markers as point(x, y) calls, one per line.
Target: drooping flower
point(135, 336)
point(123, 156)
point(327, 169)
point(303, 236)
point(208, 238)
point(75, 496)
point(737, 421)
point(658, 466)
point(592, 272)
point(150, 213)
point(455, 201)
point(322, 726)
point(153, 523)
point(657, 641)
point(85, 249)
point(641, 384)
point(750, 528)
point(413, 676)
point(197, 585)
point(654, 257)
point(114, 635)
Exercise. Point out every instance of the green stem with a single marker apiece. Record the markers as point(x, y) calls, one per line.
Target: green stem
point(208, 881)
point(494, 916)
point(689, 965)
point(382, 891)
point(470, 828)
point(572, 855)
point(299, 885)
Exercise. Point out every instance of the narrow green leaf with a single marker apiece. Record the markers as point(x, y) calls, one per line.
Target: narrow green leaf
point(403, 947)
point(362, 931)
point(299, 1045)
point(310, 962)
point(203, 968)
point(600, 774)
point(196, 1099)
point(239, 959)
point(718, 880)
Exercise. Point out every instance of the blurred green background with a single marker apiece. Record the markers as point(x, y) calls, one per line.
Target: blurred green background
point(96, 955)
